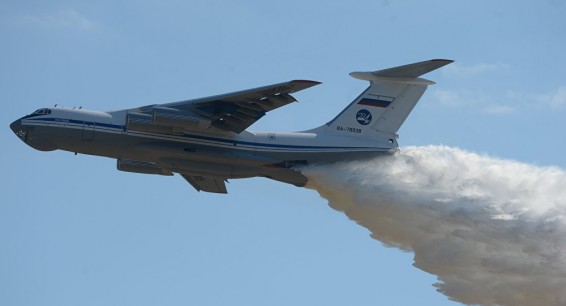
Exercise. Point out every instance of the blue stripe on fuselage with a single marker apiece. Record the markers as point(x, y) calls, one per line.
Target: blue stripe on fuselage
point(230, 142)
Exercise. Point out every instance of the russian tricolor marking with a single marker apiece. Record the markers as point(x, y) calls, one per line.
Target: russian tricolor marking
point(381, 102)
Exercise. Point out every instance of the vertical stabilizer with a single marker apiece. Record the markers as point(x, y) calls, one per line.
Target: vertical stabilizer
point(382, 108)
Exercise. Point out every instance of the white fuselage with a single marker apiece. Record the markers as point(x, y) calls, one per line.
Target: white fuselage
point(206, 140)
point(105, 134)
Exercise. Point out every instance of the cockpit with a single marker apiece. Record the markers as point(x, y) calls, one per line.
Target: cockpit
point(42, 111)
point(39, 112)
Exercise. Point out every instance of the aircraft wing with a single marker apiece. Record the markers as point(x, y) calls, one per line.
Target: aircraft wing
point(232, 112)
point(206, 183)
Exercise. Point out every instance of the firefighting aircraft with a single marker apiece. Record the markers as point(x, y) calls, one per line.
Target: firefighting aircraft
point(205, 140)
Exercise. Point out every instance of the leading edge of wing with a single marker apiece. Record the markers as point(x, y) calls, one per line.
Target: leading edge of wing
point(235, 112)
point(231, 112)
point(282, 88)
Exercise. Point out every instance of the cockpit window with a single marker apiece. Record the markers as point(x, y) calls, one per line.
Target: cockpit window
point(42, 111)
point(39, 112)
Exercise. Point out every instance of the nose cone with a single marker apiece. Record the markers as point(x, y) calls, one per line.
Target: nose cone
point(38, 141)
point(16, 127)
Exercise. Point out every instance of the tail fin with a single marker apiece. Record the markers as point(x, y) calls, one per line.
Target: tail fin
point(383, 107)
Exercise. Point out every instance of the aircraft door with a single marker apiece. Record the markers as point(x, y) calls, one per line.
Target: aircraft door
point(88, 131)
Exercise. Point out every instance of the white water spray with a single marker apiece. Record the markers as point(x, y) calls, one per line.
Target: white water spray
point(493, 231)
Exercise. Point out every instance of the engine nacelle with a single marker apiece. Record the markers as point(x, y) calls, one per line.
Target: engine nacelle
point(177, 118)
point(141, 167)
point(165, 120)
point(144, 122)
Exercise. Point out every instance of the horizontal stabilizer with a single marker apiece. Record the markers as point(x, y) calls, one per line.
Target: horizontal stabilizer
point(410, 71)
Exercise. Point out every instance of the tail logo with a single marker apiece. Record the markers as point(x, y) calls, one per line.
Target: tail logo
point(363, 117)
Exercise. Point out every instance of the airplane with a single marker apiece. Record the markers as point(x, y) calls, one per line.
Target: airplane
point(206, 140)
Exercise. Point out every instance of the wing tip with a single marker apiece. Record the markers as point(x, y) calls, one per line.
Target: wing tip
point(313, 83)
point(448, 61)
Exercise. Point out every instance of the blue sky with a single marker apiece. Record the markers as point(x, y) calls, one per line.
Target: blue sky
point(75, 231)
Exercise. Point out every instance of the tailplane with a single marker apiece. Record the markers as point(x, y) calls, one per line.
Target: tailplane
point(382, 108)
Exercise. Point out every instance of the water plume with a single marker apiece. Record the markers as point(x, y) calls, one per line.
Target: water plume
point(493, 231)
